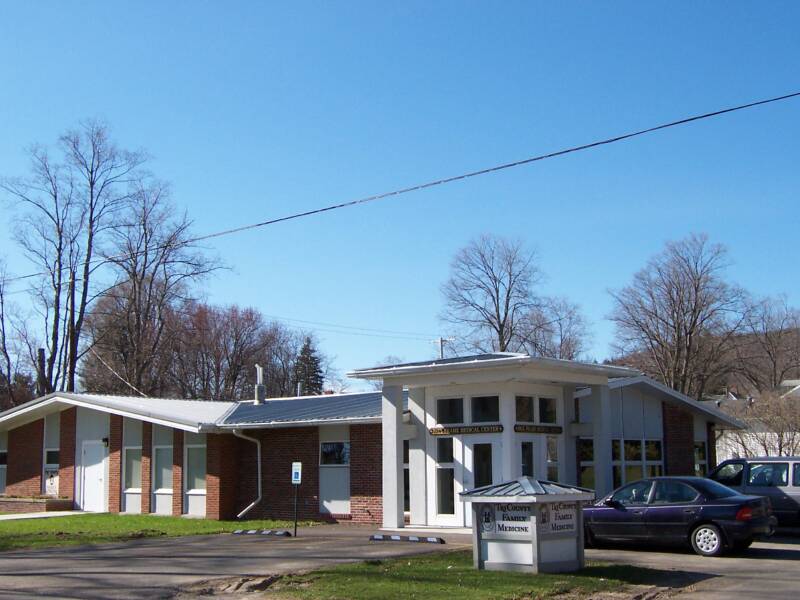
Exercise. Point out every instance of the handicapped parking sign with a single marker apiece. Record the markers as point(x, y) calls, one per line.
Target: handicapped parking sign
point(297, 473)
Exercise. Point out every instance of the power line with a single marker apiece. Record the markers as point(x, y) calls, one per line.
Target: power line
point(468, 175)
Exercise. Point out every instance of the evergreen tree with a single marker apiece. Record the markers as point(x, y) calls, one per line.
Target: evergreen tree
point(308, 370)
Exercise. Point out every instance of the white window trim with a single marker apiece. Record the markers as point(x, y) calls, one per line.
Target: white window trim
point(464, 407)
point(124, 469)
point(154, 466)
point(184, 470)
point(406, 467)
point(472, 421)
point(443, 465)
point(537, 417)
point(337, 466)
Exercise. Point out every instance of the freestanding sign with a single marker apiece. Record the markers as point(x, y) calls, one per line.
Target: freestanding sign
point(297, 477)
point(528, 525)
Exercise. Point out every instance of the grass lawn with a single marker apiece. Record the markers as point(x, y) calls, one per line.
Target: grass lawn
point(449, 575)
point(98, 529)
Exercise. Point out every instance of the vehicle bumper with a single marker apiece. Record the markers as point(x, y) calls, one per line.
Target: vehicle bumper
point(736, 531)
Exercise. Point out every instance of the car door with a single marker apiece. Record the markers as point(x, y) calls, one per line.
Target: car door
point(672, 509)
point(621, 516)
point(730, 473)
point(771, 479)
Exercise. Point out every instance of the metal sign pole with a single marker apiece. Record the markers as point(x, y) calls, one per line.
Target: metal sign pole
point(297, 477)
point(295, 510)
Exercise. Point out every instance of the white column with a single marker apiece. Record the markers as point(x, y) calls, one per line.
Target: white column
point(417, 476)
point(567, 462)
point(392, 456)
point(601, 425)
point(508, 417)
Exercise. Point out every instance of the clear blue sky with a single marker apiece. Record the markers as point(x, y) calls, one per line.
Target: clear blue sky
point(255, 110)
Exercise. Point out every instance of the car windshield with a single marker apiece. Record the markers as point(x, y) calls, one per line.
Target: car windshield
point(713, 489)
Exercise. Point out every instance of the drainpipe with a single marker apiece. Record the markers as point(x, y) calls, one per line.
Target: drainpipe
point(238, 433)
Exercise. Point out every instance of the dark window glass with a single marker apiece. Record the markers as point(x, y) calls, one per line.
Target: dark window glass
point(334, 453)
point(444, 450)
point(405, 451)
point(699, 451)
point(633, 472)
point(547, 410)
point(3, 458)
point(449, 410)
point(485, 409)
point(730, 474)
point(525, 409)
point(527, 459)
point(795, 475)
point(633, 450)
point(715, 490)
point(652, 450)
point(586, 477)
point(653, 471)
point(769, 474)
point(585, 450)
point(673, 492)
point(633, 494)
point(445, 490)
point(616, 449)
point(406, 493)
point(482, 464)
point(617, 474)
point(51, 457)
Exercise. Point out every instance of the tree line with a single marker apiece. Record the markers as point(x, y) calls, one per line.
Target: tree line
point(114, 303)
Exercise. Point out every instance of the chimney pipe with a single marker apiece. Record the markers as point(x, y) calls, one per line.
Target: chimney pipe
point(261, 389)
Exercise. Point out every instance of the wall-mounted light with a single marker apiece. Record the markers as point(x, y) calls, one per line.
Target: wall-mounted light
point(105, 442)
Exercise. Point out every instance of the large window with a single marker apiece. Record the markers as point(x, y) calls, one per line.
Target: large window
point(485, 409)
point(162, 469)
point(449, 411)
point(133, 469)
point(195, 461)
point(525, 409)
point(527, 459)
point(769, 475)
point(536, 410)
point(552, 458)
point(406, 483)
point(336, 454)
point(586, 462)
point(634, 459)
point(445, 477)
point(547, 411)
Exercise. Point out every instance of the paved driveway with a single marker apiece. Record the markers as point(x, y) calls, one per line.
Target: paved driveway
point(156, 568)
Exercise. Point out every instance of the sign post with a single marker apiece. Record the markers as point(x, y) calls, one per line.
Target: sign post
point(297, 476)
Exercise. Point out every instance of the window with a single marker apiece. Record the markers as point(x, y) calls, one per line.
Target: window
point(527, 459)
point(525, 409)
point(334, 453)
point(700, 461)
point(633, 450)
point(653, 459)
point(444, 450)
point(673, 492)
point(730, 474)
point(3, 458)
point(547, 410)
point(51, 457)
point(485, 409)
point(634, 459)
point(634, 494)
point(769, 474)
point(195, 468)
point(406, 490)
point(162, 468)
point(445, 477)
point(552, 458)
point(795, 474)
point(133, 468)
point(449, 410)
point(586, 462)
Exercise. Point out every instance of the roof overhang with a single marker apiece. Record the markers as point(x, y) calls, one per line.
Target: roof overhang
point(309, 423)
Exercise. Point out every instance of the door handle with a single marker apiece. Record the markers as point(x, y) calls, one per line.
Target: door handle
point(689, 511)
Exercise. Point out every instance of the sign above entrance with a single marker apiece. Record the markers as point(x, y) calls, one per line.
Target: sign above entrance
point(462, 429)
point(552, 429)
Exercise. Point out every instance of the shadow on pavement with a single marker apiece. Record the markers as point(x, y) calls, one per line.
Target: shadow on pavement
point(646, 576)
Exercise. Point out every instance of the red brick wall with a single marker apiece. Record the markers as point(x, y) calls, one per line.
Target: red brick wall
point(366, 473)
point(678, 440)
point(711, 436)
point(279, 448)
point(177, 472)
point(114, 463)
point(221, 472)
point(66, 467)
point(147, 471)
point(24, 470)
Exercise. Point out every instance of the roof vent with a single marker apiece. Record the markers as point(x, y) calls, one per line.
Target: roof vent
point(261, 389)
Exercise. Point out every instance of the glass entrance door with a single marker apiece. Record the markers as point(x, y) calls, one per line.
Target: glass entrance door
point(482, 466)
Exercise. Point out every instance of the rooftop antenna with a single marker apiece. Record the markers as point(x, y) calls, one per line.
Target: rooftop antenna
point(261, 389)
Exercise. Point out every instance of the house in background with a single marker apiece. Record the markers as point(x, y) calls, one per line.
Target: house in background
point(396, 456)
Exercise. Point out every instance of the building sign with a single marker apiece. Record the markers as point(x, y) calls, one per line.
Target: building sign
point(462, 429)
point(559, 517)
point(297, 473)
point(506, 520)
point(551, 429)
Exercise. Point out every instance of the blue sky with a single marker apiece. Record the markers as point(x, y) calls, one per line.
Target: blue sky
point(256, 110)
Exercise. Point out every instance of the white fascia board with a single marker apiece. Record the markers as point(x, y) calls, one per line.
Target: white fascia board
point(309, 423)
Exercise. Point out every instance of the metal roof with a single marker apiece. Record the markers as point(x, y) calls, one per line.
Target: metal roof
point(525, 486)
point(329, 408)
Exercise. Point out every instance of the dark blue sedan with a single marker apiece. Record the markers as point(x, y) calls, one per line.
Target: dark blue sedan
point(679, 510)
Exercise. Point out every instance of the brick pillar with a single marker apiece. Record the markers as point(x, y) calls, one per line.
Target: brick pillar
point(24, 470)
point(221, 485)
point(177, 472)
point(366, 478)
point(115, 464)
point(66, 446)
point(711, 445)
point(147, 471)
point(678, 426)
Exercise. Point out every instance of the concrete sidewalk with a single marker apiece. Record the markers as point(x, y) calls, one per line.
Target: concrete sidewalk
point(40, 515)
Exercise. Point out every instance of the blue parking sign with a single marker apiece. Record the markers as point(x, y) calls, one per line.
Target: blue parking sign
point(297, 473)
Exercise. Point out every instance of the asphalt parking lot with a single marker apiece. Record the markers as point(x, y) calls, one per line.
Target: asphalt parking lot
point(159, 568)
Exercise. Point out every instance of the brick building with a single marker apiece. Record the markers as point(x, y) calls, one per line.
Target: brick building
point(393, 456)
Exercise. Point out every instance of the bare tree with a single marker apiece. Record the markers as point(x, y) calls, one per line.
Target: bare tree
point(68, 206)
point(679, 316)
point(773, 427)
point(490, 292)
point(556, 329)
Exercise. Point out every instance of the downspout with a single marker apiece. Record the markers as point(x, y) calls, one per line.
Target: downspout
point(238, 433)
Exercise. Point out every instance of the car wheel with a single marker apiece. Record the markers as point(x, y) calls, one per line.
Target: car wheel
point(707, 540)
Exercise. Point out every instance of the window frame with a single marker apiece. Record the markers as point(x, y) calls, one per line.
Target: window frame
point(444, 465)
point(538, 414)
point(450, 399)
point(125, 449)
point(551, 463)
point(406, 476)
point(154, 468)
point(345, 444)
point(585, 463)
point(185, 470)
point(472, 399)
point(620, 464)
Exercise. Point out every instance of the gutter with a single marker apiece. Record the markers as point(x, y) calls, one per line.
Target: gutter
point(238, 433)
